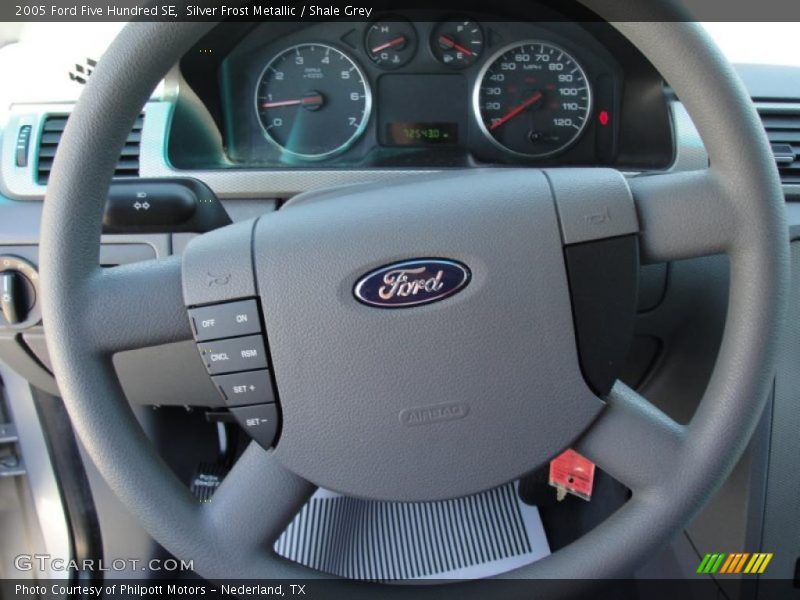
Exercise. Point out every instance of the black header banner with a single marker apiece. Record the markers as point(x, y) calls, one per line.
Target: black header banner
point(365, 10)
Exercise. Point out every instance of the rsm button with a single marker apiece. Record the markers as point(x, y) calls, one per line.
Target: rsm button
point(237, 354)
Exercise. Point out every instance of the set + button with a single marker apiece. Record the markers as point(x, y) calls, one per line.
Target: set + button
point(250, 387)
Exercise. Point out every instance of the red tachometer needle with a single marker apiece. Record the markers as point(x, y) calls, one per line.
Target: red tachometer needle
point(451, 43)
point(391, 43)
point(516, 110)
point(301, 101)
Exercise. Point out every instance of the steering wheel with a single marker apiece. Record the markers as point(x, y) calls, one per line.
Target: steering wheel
point(503, 347)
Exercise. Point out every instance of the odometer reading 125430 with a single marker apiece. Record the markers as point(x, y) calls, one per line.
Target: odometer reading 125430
point(532, 98)
point(421, 134)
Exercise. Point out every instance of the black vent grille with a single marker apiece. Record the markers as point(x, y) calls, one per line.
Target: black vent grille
point(783, 130)
point(128, 165)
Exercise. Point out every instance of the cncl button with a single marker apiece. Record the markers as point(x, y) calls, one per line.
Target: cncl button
point(237, 354)
point(231, 319)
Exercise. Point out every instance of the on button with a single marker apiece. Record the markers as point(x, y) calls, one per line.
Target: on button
point(225, 320)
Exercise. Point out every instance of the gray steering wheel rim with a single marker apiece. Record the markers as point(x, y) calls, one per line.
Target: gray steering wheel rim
point(753, 234)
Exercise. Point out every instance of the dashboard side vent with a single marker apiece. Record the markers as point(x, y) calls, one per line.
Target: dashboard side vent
point(128, 165)
point(782, 122)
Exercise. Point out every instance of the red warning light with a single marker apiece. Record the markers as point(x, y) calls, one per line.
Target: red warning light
point(603, 117)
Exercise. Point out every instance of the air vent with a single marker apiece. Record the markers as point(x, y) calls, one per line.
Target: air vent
point(782, 122)
point(128, 165)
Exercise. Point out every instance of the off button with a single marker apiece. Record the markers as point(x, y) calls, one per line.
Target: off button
point(237, 354)
point(225, 320)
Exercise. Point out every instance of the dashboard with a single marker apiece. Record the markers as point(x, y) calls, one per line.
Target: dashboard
point(449, 91)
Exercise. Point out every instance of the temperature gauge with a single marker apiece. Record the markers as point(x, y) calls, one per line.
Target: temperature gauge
point(457, 44)
point(391, 44)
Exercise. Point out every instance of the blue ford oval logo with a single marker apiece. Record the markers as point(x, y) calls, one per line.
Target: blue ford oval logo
point(412, 282)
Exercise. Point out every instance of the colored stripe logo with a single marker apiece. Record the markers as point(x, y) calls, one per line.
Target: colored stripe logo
point(737, 562)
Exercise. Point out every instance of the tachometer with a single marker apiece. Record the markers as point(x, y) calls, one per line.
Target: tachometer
point(313, 101)
point(532, 98)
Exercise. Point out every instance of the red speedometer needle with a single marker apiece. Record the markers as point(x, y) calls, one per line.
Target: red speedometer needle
point(391, 43)
point(448, 42)
point(298, 102)
point(516, 110)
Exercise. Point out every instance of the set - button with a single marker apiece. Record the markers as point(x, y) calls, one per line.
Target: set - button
point(260, 421)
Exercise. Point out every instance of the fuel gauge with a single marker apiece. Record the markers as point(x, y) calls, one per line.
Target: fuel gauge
point(457, 44)
point(391, 44)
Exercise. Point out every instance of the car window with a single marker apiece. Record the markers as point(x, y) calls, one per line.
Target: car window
point(757, 43)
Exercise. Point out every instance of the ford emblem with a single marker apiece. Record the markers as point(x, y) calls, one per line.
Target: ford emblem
point(412, 282)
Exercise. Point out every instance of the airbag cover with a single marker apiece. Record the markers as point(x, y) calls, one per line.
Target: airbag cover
point(434, 400)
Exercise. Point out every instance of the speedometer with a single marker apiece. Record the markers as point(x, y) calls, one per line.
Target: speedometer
point(532, 98)
point(312, 101)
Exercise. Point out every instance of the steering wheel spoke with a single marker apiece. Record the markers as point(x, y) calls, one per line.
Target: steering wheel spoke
point(135, 306)
point(256, 501)
point(683, 215)
point(632, 440)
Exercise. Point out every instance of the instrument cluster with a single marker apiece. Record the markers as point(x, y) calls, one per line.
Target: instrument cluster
point(459, 91)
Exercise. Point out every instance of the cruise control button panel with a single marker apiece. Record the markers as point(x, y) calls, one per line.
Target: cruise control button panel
point(235, 354)
point(259, 421)
point(225, 320)
point(250, 387)
point(231, 343)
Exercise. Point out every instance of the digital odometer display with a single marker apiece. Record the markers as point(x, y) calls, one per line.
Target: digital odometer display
point(533, 98)
point(408, 133)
